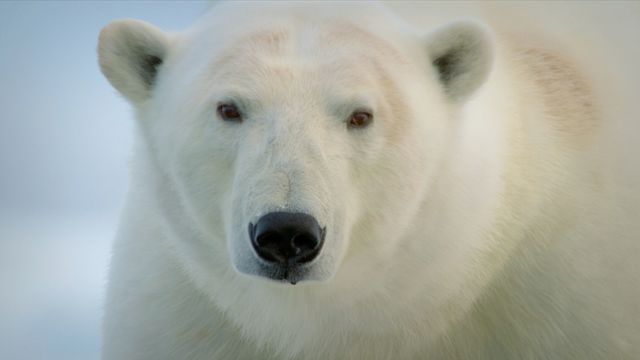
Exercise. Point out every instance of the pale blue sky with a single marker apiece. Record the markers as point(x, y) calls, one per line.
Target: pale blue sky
point(65, 138)
point(63, 133)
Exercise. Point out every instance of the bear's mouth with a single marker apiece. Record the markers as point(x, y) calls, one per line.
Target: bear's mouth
point(286, 274)
point(283, 273)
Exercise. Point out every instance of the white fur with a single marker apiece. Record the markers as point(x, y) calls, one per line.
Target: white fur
point(455, 222)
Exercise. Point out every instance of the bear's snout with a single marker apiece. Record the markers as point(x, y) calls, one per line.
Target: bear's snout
point(286, 238)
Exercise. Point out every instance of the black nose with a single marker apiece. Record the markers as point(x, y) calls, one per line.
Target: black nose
point(287, 238)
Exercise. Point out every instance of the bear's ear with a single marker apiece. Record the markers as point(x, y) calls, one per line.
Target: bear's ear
point(130, 53)
point(462, 55)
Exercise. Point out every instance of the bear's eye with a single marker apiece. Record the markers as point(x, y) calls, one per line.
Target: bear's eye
point(229, 112)
point(360, 119)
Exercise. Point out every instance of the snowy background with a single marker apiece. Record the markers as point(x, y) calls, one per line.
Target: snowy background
point(64, 143)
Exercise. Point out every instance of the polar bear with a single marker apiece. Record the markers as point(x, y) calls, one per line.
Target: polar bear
point(316, 181)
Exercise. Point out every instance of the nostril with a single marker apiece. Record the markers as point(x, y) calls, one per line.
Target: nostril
point(268, 238)
point(269, 247)
point(304, 241)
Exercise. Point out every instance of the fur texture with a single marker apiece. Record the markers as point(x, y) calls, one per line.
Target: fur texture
point(466, 222)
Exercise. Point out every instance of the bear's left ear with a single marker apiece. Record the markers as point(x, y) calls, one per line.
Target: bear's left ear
point(130, 53)
point(462, 55)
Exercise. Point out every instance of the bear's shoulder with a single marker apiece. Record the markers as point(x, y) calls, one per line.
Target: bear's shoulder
point(564, 90)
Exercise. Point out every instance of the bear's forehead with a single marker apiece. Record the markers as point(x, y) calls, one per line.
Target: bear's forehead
point(336, 58)
point(320, 38)
point(337, 51)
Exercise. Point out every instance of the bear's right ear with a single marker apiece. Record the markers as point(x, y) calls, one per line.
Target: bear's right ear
point(130, 53)
point(462, 55)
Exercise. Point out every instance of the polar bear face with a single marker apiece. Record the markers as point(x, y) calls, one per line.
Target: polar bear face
point(299, 145)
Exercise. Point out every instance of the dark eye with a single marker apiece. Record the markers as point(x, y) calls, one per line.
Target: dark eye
point(229, 112)
point(360, 119)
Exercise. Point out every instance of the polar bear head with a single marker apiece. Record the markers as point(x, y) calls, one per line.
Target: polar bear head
point(289, 143)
